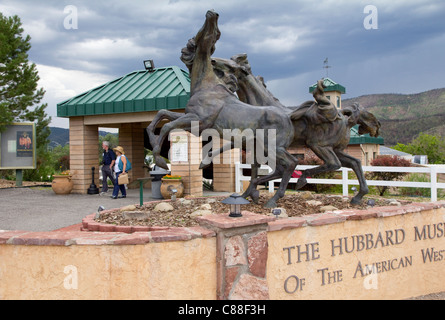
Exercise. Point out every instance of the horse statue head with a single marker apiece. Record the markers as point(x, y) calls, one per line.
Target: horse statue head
point(206, 37)
point(368, 123)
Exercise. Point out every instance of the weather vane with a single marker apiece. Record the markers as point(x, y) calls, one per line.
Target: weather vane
point(326, 66)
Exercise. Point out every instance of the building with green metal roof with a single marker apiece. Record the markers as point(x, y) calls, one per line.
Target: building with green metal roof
point(128, 103)
point(330, 85)
point(139, 91)
point(333, 91)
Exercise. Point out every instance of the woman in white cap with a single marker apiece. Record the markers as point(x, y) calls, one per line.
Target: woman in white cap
point(120, 167)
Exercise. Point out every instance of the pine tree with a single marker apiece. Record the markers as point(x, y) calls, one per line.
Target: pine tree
point(19, 95)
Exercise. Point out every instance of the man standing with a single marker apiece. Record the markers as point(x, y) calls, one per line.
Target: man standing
point(109, 159)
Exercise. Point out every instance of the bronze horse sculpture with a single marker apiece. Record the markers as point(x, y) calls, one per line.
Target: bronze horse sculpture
point(317, 124)
point(213, 106)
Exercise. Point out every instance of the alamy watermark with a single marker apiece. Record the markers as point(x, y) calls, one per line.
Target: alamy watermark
point(71, 280)
point(259, 144)
point(371, 21)
point(71, 21)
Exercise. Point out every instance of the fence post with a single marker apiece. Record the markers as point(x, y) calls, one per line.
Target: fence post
point(271, 183)
point(237, 177)
point(433, 178)
point(344, 177)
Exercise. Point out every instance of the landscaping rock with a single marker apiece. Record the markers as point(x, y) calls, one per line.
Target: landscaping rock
point(314, 203)
point(130, 207)
point(306, 195)
point(199, 213)
point(135, 215)
point(163, 207)
point(328, 208)
point(205, 206)
point(186, 202)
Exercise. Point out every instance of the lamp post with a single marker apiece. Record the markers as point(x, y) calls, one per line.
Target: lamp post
point(235, 201)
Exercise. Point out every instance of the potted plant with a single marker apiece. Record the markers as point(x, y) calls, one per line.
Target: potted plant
point(62, 183)
point(170, 183)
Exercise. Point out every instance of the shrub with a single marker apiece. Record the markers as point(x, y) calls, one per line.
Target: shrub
point(387, 161)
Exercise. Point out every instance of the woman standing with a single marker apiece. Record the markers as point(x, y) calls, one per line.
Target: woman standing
point(120, 167)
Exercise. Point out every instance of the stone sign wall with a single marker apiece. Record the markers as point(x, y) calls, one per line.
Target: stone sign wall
point(379, 253)
point(393, 253)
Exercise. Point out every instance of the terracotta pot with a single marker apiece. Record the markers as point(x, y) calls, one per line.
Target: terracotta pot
point(62, 184)
point(168, 184)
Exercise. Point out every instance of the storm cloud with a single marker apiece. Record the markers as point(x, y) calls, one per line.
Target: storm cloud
point(286, 42)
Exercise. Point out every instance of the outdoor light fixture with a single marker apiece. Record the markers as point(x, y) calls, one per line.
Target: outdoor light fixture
point(276, 212)
point(149, 65)
point(235, 201)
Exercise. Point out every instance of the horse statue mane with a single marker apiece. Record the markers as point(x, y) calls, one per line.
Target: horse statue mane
point(188, 54)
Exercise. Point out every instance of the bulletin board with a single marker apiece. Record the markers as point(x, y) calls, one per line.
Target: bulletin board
point(18, 146)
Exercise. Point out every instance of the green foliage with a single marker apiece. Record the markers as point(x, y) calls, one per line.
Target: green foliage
point(19, 96)
point(61, 158)
point(416, 177)
point(387, 161)
point(425, 144)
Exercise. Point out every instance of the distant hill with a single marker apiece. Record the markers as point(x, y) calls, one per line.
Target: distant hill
point(61, 136)
point(404, 116)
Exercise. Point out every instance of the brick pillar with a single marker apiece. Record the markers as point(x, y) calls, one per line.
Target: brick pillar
point(188, 170)
point(131, 138)
point(241, 255)
point(84, 154)
point(224, 170)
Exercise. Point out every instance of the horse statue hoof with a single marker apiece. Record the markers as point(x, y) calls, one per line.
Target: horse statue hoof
point(300, 183)
point(271, 204)
point(160, 162)
point(356, 200)
point(203, 165)
point(255, 196)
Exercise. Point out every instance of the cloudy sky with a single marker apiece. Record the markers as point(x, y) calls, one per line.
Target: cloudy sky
point(393, 46)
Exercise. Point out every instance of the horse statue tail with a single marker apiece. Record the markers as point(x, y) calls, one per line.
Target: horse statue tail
point(301, 110)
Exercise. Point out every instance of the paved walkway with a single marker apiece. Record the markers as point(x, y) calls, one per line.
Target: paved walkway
point(40, 209)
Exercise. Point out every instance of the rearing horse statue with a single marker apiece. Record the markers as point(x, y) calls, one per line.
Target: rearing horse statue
point(317, 124)
point(214, 106)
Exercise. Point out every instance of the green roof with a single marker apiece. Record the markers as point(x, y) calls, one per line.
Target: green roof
point(363, 139)
point(163, 88)
point(330, 86)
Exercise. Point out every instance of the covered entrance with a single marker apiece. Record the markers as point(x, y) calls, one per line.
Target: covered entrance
point(129, 104)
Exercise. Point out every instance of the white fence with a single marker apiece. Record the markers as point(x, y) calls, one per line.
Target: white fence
point(346, 182)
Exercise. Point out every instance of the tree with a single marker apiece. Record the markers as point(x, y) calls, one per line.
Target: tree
point(425, 144)
point(19, 96)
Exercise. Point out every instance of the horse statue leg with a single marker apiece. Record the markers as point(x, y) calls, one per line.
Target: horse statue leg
point(355, 164)
point(183, 122)
point(285, 166)
point(161, 115)
point(250, 192)
point(331, 163)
